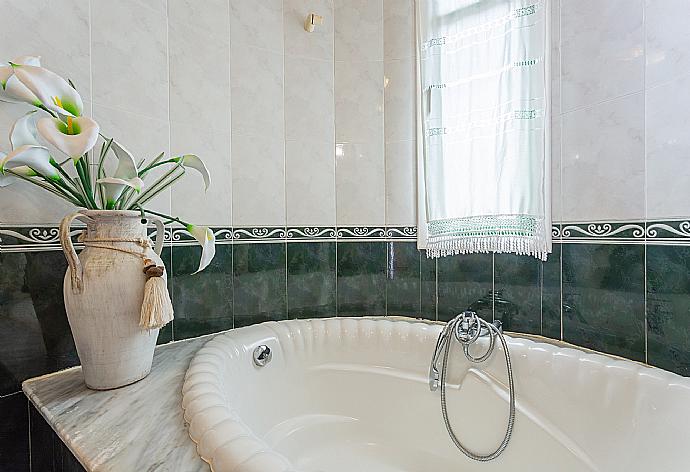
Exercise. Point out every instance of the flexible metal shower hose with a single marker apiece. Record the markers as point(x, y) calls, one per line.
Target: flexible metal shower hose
point(466, 343)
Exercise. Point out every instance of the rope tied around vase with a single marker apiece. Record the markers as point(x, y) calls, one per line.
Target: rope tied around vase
point(156, 308)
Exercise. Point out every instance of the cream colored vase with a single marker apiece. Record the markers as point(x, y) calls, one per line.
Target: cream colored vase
point(104, 290)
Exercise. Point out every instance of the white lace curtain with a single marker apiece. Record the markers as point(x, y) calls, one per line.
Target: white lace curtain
point(484, 173)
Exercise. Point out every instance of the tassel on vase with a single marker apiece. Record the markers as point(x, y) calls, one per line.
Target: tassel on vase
point(156, 309)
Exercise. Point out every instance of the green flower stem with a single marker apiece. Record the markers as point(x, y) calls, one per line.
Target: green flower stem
point(153, 161)
point(47, 187)
point(163, 215)
point(154, 190)
point(166, 185)
point(85, 183)
point(42, 107)
point(73, 192)
point(100, 173)
point(156, 163)
point(72, 188)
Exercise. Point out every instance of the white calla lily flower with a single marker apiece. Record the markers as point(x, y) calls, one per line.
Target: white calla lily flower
point(24, 132)
point(113, 188)
point(205, 237)
point(36, 157)
point(194, 162)
point(9, 178)
point(74, 138)
point(54, 92)
point(11, 88)
point(5, 179)
point(126, 167)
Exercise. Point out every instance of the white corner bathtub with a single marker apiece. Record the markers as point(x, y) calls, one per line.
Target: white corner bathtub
point(352, 395)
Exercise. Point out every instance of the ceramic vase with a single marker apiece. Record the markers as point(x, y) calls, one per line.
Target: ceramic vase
point(104, 290)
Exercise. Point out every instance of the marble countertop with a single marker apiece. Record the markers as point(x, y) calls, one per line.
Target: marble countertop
point(135, 428)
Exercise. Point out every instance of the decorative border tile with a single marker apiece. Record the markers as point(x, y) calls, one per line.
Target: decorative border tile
point(31, 238)
point(311, 233)
point(259, 234)
point(599, 231)
point(662, 232)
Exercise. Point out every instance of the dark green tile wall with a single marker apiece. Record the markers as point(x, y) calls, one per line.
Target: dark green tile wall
point(361, 288)
point(465, 282)
point(311, 280)
point(403, 281)
point(259, 283)
point(203, 301)
point(668, 307)
point(428, 288)
point(36, 336)
point(551, 294)
point(517, 292)
point(604, 299)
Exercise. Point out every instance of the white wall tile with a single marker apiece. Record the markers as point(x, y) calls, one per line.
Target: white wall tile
point(668, 150)
point(257, 91)
point(556, 186)
point(398, 29)
point(129, 57)
point(602, 48)
point(603, 161)
point(555, 57)
point(359, 101)
point(668, 39)
point(189, 199)
point(298, 42)
point(400, 100)
point(258, 180)
point(257, 23)
point(358, 30)
point(309, 100)
point(310, 182)
point(56, 30)
point(210, 17)
point(401, 183)
point(199, 49)
point(360, 179)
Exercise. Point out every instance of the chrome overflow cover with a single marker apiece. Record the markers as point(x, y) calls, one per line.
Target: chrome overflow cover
point(262, 355)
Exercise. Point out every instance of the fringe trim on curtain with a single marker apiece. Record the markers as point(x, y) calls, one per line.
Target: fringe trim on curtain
point(459, 238)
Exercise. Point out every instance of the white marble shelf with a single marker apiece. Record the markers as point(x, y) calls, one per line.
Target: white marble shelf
point(135, 428)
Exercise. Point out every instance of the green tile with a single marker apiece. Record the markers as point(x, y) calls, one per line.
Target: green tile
point(517, 292)
point(165, 335)
point(465, 282)
point(311, 280)
point(551, 295)
point(668, 307)
point(603, 298)
point(361, 279)
point(203, 301)
point(259, 283)
point(403, 279)
point(36, 337)
point(428, 287)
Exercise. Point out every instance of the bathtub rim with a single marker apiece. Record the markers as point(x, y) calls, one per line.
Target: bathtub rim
point(537, 339)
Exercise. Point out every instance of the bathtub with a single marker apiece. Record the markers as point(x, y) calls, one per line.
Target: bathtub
point(352, 395)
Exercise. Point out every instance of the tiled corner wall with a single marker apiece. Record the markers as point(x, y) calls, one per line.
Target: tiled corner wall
point(310, 140)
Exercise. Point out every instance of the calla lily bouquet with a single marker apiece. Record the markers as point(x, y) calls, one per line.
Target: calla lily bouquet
point(80, 178)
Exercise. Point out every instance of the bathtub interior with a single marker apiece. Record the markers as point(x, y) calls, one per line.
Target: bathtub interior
point(352, 394)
